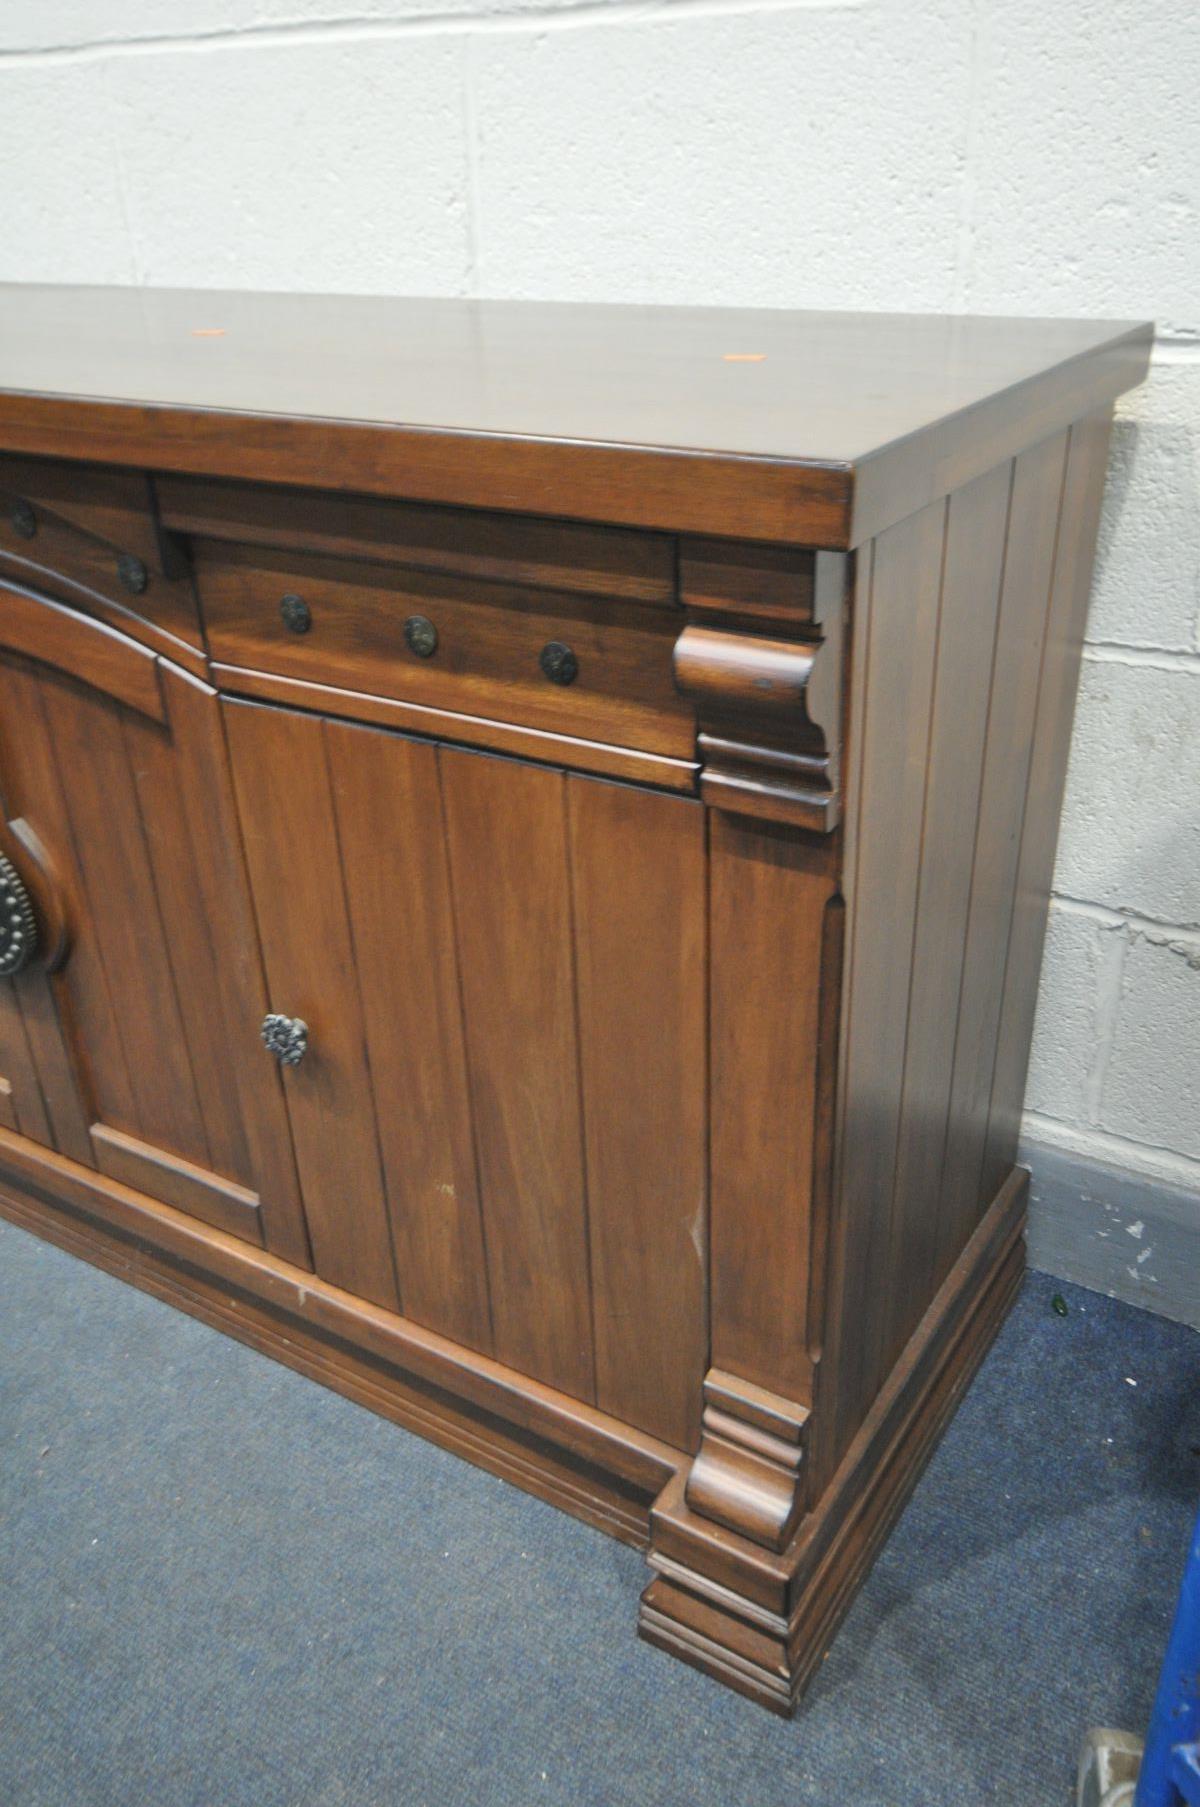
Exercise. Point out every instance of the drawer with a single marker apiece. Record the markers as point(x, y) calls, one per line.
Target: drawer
point(551, 661)
point(90, 537)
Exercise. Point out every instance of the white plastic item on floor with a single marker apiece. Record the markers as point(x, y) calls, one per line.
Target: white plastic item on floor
point(1108, 1769)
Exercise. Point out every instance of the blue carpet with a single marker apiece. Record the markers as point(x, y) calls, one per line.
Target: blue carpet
point(223, 1585)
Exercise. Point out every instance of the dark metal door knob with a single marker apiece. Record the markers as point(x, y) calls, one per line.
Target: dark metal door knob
point(420, 635)
point(133, 573)
point(295, 612)
point(286, 1037)
point(558, 663)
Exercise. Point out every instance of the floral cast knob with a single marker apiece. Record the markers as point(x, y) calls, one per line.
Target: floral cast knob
point(286, 1037)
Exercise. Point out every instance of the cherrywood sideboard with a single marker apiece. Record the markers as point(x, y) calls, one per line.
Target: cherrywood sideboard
point(526, 835)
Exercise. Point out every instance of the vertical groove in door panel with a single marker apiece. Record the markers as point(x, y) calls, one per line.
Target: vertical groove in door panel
point(200, 986)
point(890, 794)
point(223, 896)
point(506, 833)
point(387, 799)
point(123, 915)
point(1083, 493)
point(32, 771)
point(1029, 561)
point(150, 759)
point(972, 572)
point(290, 840)
point(49, 1046)
point(16, 1066)
point(638, 874)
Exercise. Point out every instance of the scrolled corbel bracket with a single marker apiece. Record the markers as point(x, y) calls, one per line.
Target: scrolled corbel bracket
point(769, 707)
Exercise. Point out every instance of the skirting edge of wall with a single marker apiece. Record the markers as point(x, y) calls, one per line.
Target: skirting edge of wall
point(1115, 1232)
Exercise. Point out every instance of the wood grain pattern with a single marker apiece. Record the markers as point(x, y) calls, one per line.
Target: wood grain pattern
point(638, 891)
point(972, 571)
point(549, 555)
point(33, 784)
point(289, 830)
point(391, 839)
point(762, 1623)
point(236, 996)
point(490, 638)
point(1033, 528)
point(24, 1101)
point(46, 1035)
point(1083, 493)
point(466, 730)
point(112, 840)
point(88, 650)
point(722, 577)
point(506, 829)
point(896, 669)
point(667, 1028)
point(85, 519)
point(839, 426)
point(188, 1187)
point(138, 1033)
point(582, 1460)
point(766, 887)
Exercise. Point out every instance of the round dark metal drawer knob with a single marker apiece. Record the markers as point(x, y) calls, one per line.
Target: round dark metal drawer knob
point(286, 1037)
point(297, 616)
point(18, 929)
point(559, 663)
point(421, 636)
point(132, 573)
point(23, 519)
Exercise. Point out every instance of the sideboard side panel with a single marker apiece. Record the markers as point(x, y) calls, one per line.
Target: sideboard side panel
point(967, 634)
point(1079, 523)
point(895, 651)
point(1020, 637)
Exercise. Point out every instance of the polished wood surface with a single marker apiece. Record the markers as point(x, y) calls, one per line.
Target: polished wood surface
point(760, 424)
point(490, 638)
point(135, 1041)
point(660, 1034)
point(65, 530)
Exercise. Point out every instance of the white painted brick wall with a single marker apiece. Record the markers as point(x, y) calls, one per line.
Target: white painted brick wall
point(996, 155)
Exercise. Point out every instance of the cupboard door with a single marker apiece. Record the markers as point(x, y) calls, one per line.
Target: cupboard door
point(500, 1114)
point(140, 1052)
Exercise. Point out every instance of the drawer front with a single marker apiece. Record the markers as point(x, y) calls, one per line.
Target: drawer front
point(90, 538)
point(555, 661)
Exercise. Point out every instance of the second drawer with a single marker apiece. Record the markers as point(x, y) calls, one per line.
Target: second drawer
point(597, 669)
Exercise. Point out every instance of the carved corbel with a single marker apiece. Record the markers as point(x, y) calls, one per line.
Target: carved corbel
point(767, 688)
point(748, 1474)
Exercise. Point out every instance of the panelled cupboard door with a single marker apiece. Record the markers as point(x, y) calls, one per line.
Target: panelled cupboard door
point(499, 1117)
point(130, 1043)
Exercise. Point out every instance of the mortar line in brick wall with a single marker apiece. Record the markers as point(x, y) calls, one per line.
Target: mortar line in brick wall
point(1153, 658)
point(474, 272)
point(123, 190)
point(1179, 346)
point(968, 187)
point(1106, 1010)
point(1154, 928)
point(1093, 1144)
point(505, 19)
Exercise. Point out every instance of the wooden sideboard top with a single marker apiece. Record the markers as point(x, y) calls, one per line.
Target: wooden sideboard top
point(820, 428)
